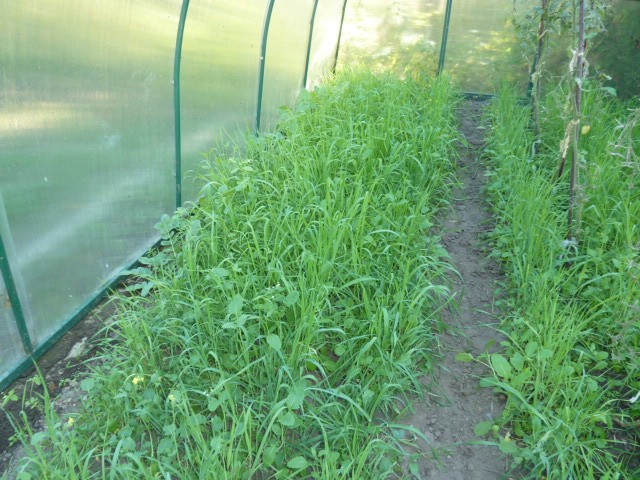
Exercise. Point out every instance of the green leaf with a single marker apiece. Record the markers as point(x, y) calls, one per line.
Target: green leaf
point(216, 443)
point(531, 349)
point(508, 447)
point(87, 384)
point(601, 355)
point(235, 305)
point(298, 463)
point(146, 288)
point(38, 437)
point(501, 365)
point(269, 455)
point(487, 382)
point(220, 272)
point(517, 360)
point(522, 377)
point(600, 365)
point(340, 349)
point(483, 428)
point(213, 403)
point(610, 90)
point(464, 357)
point(292, 298)
point(297, 394)
point(288, 419)
point(166, 446)
point(274, 342)
point(545, 354)
point(8, 397)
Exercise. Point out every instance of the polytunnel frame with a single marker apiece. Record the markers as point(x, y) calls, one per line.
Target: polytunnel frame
point(33, 354)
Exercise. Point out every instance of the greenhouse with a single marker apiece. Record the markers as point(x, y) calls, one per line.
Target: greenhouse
point(330, 239)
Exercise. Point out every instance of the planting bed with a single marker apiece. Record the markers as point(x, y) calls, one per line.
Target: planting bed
point(326, 310)
point(287, 319)
point(570, 369)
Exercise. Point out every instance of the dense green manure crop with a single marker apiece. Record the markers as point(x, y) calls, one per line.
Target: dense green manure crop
point(574, 316)
point(292, 310)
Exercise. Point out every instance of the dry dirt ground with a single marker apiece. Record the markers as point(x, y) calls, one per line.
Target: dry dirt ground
point(456, 405)
point(448, 418)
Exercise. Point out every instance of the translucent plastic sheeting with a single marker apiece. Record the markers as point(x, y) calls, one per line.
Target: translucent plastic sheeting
point(86, 143)
point(325, 40)
point(10, 344)
point(613, 54)
point(11, 350)
point(617, 51)
point(393, 34)
point(286, 57)
point(482, 51)
point(16, 279)
point(219, 81)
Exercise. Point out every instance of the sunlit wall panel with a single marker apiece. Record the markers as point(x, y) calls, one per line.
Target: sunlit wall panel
point(392, 34)
point(482, 51)
point(326, 30)
point(286, 57)
point(219, 81)
point(87, 150)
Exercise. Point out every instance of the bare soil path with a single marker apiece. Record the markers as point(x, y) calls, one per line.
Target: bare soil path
point(448, 420)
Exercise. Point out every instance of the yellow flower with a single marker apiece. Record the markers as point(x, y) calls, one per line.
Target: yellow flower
point(585, 129)
point(70, 422)
point(137, 379)
point(172, 397)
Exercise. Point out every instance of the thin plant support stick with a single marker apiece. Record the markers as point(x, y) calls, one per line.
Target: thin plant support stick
point(575, 159)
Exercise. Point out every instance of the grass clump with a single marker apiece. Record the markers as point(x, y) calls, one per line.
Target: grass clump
point(571, 366)
point(292, 310)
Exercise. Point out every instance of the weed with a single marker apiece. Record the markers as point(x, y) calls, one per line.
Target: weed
point(571, 359)
point(291, 310)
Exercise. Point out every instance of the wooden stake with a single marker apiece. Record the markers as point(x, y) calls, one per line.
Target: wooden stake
point(575, 159)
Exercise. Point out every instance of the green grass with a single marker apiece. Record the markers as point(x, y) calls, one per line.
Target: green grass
point(572, 314)
point(292, 311)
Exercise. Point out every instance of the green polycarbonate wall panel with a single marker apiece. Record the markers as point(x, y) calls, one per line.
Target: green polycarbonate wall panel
point(286, 57)
point(394, 34)
point(482, 51)
point(220, 64)
point(325, 40)
point(87, 150)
